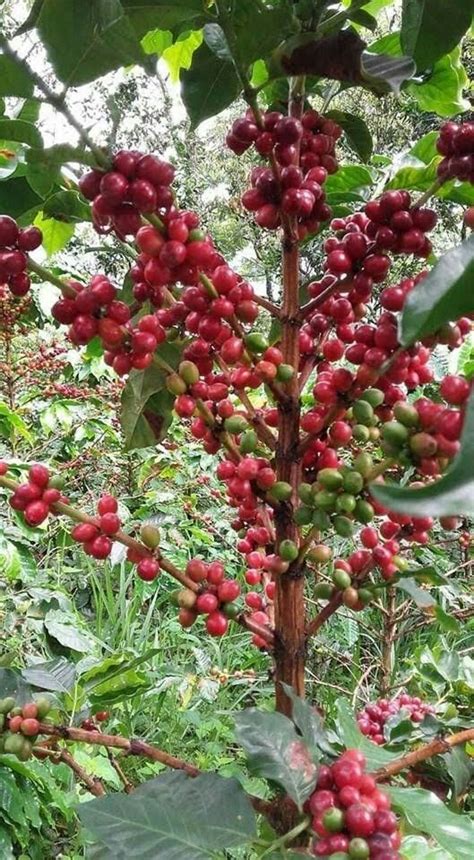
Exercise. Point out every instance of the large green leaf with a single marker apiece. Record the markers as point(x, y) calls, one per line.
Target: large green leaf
point(358, 135)
point(258, 29)
point(275, 751)
point(21, 130)
point(14, 78)
point(180, 54)
point(209, 86)
point(56, 234)
point(432, 28)
point(58, 675)
point(309, 723)
point(352, 737)
point(452, 495)
point(12, 684)
point(146, 403)
point(67, 206)
point(173, 817)
point(62, 628)
point(17, 197)
point(60, 153)
point(87, 38)
point(350, 177)
point(146, 15)
point(445, 294)
point(426, 812)
point(442, 90)
point(417, 848)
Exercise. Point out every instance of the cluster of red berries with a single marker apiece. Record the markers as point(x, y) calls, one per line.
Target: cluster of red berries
point(216, 601)
point(14, 246)
point(35, 498)
point(137, 184)
point(352, 818)
point(372, 719)
point(96, 536)
point(90, 723)
point(456, 144)
point(303, 156)
point(20, 725)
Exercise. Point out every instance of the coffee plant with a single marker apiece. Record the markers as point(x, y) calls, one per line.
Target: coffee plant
point(340, 448)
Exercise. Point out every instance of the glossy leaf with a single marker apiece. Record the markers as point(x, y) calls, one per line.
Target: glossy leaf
point(445, 294)
point(432, 28)
point(56, 234)
point(146, 15)
point(351, 736)
point(17, 197)
point(309, 723)
point(357, 134)
point(146, 403)
point(67, 206)
point(423, 599)
point(426, 812)
point(56, 624)
point(452, 495)
point(14, 78)
point(87, 38)
point(12, 684)
point(384, 73)
point(275, 751)
point(180, 54)
point(209, 86)
point(58, 675)
point(20, 130)
point(418, 848)
point(442, 90)
point(172, 816)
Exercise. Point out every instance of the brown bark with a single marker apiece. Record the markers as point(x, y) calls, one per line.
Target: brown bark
point(439, 745)
point(389, 633)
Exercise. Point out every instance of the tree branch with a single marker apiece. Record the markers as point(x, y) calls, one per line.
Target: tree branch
point(93, 784)
point(439, 745)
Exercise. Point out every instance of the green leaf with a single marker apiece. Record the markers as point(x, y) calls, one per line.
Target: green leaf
point(156, 41)
point(385, 73)
point(460, 768)
point(17, 197)
point(146, 15)
point(87, 38)
point(56, 234)
point(442, 91)
point(445, 294)
point(447, 622)
point(423, 599)
point(119, 688)
point(12, 684)
point(357, 134)
point(417, 848)
point(309, 723)
point(350, 177)
point(452, 495)
point(57, 675)
point(432, 28)
point(363, 19)
point(11, 800)
point(61, 153)
point(426, 812)
point(67, 206)
point(6, 848)
point(209, 86)
point(173, 816)
point(276, 752)
point(146, 404)
point(180, 55)
point(14, 78)
point(351, 736)
point(67, 634)
point(20, 130)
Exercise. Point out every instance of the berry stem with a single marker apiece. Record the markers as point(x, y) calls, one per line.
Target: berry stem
point(156, 221)
point(435, 747)
point(93, 784)
point(46, 275)
point(268, 305)
point(289, 837)
point(317, 622)
point(434, 187)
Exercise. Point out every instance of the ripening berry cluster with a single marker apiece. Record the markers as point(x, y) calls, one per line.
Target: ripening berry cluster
point(216, 600)
point(352, 818)
point(304, 152)
point(456, 144)
point(96, 536)
point(14, 246)
point(20, 725)
point(37, 497)
point(371, 720)
point(137, 184)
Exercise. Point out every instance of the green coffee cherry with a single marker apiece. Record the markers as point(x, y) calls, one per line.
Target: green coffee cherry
point(281, 491)
point(44, 706)
point(186, 598)
point(189, 372)
point(423, 445)
point(305, 493)
point(26, 750)
point(341, 579)
point(395, 434)
point(196, 235)
point(325, 499)
point(345, 503)
point(231, 610)
point(333, 820)
point(374, 396)
point(361, 433)
point(364, 464)
point(365, 595)
point(288, 550)
point(363, 412)
point(7, 704)
point(256, 342)
point(350, 597)
point(364, 512)
point(248, 442)
point(321, 520)
point(15, 712)
point(175, 384)
point(303, 516)
point(235, 424)
point(343, 526)
point(13, 744)
point(406, 414)
point(57, 482)
point(320, 554)
point(285, 372)
point(150, 535)
point(323, 591)
point(353, 482)
point(330, 479)
point(358, 849)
